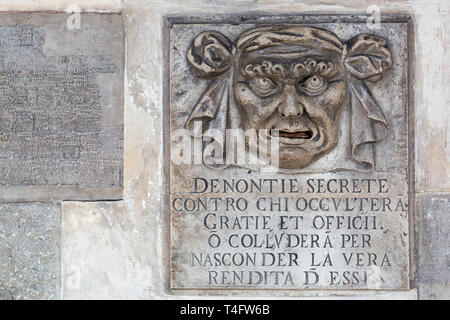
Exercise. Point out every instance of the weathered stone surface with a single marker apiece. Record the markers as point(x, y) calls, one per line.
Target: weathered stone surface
point(30, 239)
point(144, 91)
point(61, 107)
point(316, 222)
point(431, 99)
point(434, 247)
point(106, 254)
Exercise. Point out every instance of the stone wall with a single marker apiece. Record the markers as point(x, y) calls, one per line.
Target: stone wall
point(116, 246)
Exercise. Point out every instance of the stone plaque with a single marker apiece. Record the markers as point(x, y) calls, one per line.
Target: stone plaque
point(61, 106)
point(30, 237)
point(287, 149)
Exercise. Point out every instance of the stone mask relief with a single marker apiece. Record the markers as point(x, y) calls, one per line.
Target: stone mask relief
point(294, 82)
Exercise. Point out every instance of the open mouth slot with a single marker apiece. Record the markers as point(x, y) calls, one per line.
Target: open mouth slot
point(295, 135)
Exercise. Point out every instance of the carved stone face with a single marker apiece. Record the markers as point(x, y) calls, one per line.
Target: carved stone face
point(290, 81)
point(297, 93)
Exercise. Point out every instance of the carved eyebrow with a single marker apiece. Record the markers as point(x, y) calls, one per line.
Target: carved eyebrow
point(297, 70)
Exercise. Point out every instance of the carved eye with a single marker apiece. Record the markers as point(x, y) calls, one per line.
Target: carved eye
point(263, 86)
point(313, 85)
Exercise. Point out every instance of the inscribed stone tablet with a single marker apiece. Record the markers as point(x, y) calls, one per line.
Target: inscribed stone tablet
point(61, 109)
point(289, 148)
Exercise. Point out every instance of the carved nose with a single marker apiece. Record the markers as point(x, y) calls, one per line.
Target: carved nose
point(291, 108)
